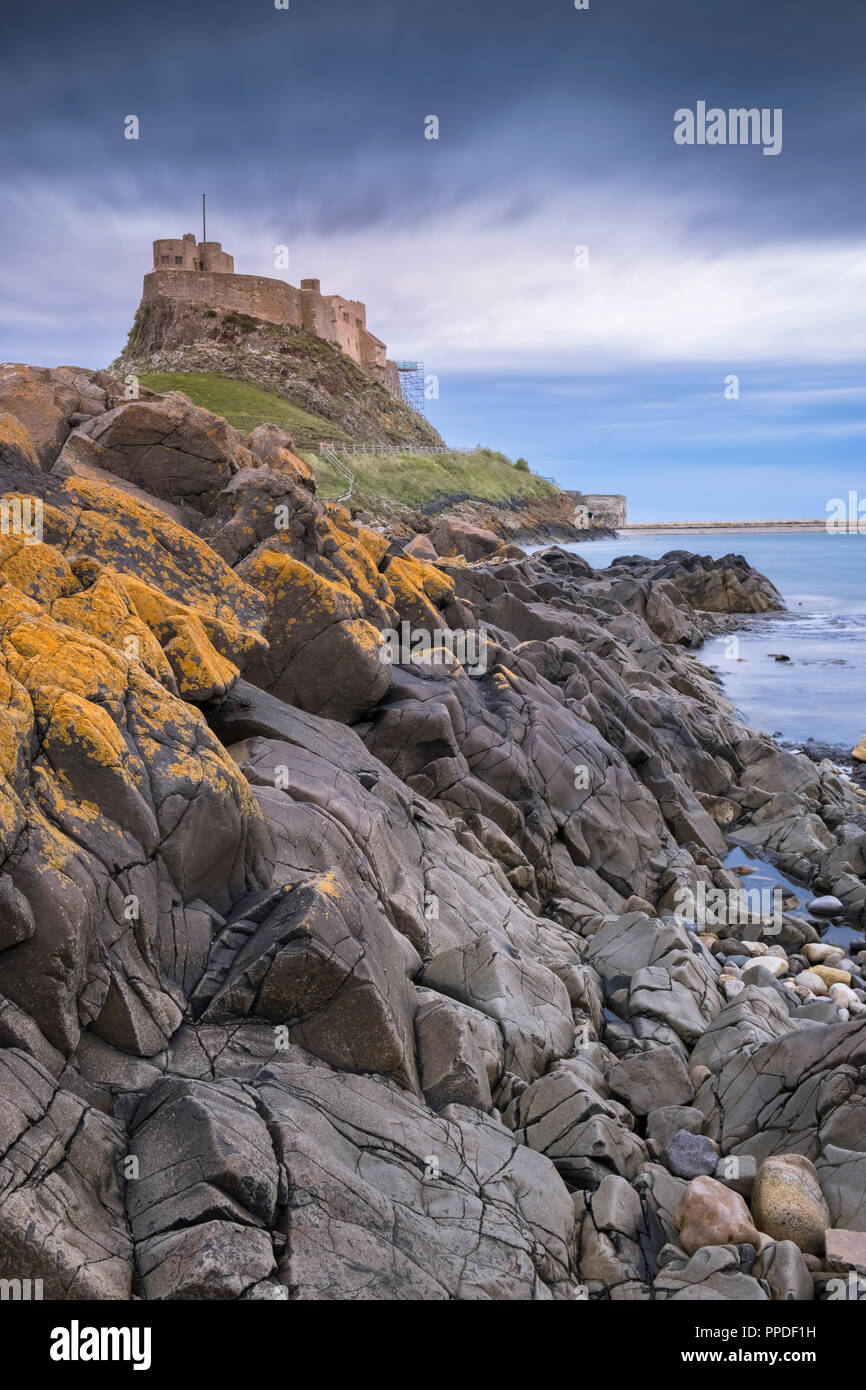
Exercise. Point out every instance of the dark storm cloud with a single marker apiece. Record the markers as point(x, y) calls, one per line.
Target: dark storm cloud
point(322, 104)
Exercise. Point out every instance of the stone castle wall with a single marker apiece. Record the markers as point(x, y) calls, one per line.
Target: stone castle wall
point(271, 300)
point(391, 380)
point(317, 314)
point(202, 274)
point(349, 320)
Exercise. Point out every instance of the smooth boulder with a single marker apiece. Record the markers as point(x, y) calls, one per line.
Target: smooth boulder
point(788, 1204)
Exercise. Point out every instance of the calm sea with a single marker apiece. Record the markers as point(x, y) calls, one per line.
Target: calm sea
point(821, 692)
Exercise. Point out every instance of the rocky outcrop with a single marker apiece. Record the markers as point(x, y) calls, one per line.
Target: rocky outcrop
point(539, 518)
point(49, 402)
point(17, 449)
point(308, 371)
point(329, 976)
point(727, 585)
point(451, 537)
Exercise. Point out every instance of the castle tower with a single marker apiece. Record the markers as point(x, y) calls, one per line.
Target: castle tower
point(187, 254)
point(173, 254)
point(316, 316)
point(213, 258)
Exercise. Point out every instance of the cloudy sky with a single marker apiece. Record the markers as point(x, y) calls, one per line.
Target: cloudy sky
point(306, 127)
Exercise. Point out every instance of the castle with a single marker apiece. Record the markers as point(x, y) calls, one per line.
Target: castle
point(203, 274)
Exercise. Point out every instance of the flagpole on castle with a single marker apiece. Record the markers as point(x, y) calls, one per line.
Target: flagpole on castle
point(203, 219)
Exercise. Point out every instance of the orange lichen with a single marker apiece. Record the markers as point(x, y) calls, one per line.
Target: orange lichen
point(329, 885)
point(106, 611)
point(37, 570)
point(201, 672)
point(14, 434)
point(419, 590)
point(167, 616)
point(140, 542)
point(374, 543)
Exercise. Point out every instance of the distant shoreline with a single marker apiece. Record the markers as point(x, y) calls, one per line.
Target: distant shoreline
point(754, 527)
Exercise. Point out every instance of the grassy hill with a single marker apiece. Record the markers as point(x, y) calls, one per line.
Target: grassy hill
point(411, 478)
point(415, 480)
point(246, 406)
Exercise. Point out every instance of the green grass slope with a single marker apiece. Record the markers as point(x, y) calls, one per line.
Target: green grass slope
point(413, 479)
point(245, 406)
point(418, 479)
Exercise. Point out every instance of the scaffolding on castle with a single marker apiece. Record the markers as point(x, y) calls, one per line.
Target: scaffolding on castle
point(412, 384)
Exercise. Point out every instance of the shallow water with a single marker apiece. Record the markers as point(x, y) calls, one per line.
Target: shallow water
point(766, 876)
point(822, 578)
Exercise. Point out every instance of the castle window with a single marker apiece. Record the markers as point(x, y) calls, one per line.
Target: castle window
point(164, 260)
point(178, 260)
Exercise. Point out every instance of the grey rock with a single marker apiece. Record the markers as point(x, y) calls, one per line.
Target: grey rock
point(387, 1200)
point(689, 1155)
point(586, 1137)
point(782, 1265)
point(650, 1080)
point(709, 1260)
point(184, 1164)
point(842, 1174)
point(776, 1100)
point(737, 1171)
point(827, 906)
point(755, 1017)
point(62, 1216)
point(452, 1065)
point(213, 1260)
point(530, 1004)
point(327, 965)
point(663, 1123)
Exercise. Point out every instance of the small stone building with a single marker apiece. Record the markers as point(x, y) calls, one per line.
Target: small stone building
point(599, 508)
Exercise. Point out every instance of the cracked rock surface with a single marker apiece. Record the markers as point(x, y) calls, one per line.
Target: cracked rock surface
point(328, 977)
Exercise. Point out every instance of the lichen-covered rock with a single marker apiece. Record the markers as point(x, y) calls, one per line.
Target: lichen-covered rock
point(324, 653)
point(110, 782)
point(16, 447)
point(421, 593)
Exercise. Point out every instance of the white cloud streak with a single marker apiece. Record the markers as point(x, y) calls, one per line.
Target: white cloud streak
point(476, 290)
